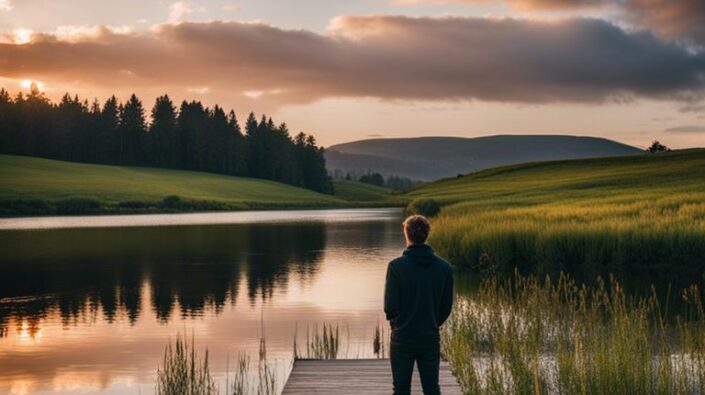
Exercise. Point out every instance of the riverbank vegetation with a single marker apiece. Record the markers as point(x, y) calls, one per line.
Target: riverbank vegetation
point(642, 215)
point(527, 335)
point(192, 137)
point(184, 370)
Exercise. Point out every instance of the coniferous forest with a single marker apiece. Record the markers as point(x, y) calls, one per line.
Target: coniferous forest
point(191, 137)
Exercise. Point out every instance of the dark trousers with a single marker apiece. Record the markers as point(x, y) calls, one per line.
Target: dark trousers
point(427, 358)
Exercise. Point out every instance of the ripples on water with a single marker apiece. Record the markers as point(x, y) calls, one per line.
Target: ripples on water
point(88, 303)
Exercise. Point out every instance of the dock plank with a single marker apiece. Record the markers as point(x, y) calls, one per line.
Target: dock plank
point(355, 376)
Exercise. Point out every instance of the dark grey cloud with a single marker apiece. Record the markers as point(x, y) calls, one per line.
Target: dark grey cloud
point(687, 129)
point(388, 57)
point(675, 19)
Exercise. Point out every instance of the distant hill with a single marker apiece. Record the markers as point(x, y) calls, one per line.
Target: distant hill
point(432, 158)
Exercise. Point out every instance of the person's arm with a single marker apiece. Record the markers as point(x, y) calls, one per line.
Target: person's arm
point(391, 295)
point(447, 298)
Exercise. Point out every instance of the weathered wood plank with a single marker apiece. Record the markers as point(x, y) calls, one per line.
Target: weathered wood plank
point(355, 376)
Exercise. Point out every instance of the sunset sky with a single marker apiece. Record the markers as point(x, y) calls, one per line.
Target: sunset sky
point(343, 70)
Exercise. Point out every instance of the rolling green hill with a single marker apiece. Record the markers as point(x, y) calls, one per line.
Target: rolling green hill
point(625, 213)
point(42, 186)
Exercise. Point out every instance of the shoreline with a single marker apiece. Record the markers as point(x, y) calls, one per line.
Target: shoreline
point(282, 216)
point(79, 206)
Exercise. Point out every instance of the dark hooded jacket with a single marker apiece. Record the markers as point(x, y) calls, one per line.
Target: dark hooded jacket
point(418, 295)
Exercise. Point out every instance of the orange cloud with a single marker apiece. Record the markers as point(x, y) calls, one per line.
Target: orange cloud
point(387, 57)
point(680, 19)
point(521, 4)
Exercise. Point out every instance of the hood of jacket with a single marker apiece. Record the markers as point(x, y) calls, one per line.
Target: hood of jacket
point(420, 253)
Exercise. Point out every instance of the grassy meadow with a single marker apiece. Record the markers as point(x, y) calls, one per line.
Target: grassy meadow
point(36, 186)
point(640, 214)
point(357, 191)
point(529, 328)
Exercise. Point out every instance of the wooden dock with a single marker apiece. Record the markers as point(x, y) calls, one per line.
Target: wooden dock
point(354, 377)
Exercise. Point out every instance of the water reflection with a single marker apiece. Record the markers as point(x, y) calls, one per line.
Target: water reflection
point(80, 271)
point(93, 307)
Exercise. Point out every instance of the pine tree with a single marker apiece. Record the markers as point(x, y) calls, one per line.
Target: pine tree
point(66, 140)
point(219, 140)
point(192, 130)
point(132, 130)
point(252, 144)
point(108, 132)
point(35, 116)
point(91, 132)
point(6, 114)
point(163, 132)
point(237, 164)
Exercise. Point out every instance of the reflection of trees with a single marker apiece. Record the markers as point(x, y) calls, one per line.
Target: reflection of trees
point(274, 251)
point(82, 272)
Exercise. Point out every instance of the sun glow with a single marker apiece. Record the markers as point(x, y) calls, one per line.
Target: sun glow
point(27, 84)
point(22, 36)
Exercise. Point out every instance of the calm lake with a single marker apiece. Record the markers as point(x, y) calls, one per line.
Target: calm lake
point(87, 304)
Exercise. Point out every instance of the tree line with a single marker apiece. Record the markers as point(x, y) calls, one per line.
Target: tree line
point(392, 182)
point(192, 137)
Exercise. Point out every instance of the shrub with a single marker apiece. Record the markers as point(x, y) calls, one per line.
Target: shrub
point(134, 204)
point(423, 206)
point(172, 202)
point(77, 206)
point(12, 207)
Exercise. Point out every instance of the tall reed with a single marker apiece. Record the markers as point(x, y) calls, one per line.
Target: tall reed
point(529, 336)
point(380, 342)
point(183, 372)
point(320, 344)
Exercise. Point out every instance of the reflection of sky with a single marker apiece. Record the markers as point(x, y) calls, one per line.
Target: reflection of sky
point(212, 218)
point(89, 354)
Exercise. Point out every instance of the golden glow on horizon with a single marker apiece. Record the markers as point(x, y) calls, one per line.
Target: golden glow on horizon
point(27, 84)
point(22, 36)
point(21, 387)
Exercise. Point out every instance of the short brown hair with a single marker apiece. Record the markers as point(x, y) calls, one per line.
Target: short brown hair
point(417, 228)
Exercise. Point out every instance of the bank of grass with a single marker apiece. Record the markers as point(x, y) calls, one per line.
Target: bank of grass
point(642, 213)
point(36, 186)
point(532, 336)
point(360, 192)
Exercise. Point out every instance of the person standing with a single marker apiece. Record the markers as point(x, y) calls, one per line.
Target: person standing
point(418, 299)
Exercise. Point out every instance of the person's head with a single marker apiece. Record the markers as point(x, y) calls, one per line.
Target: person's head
point(416, 229)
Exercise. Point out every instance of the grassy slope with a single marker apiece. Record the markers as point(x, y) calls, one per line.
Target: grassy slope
point(50, 180)
point(640, 210)
point(628, 178)
point(356, 191)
